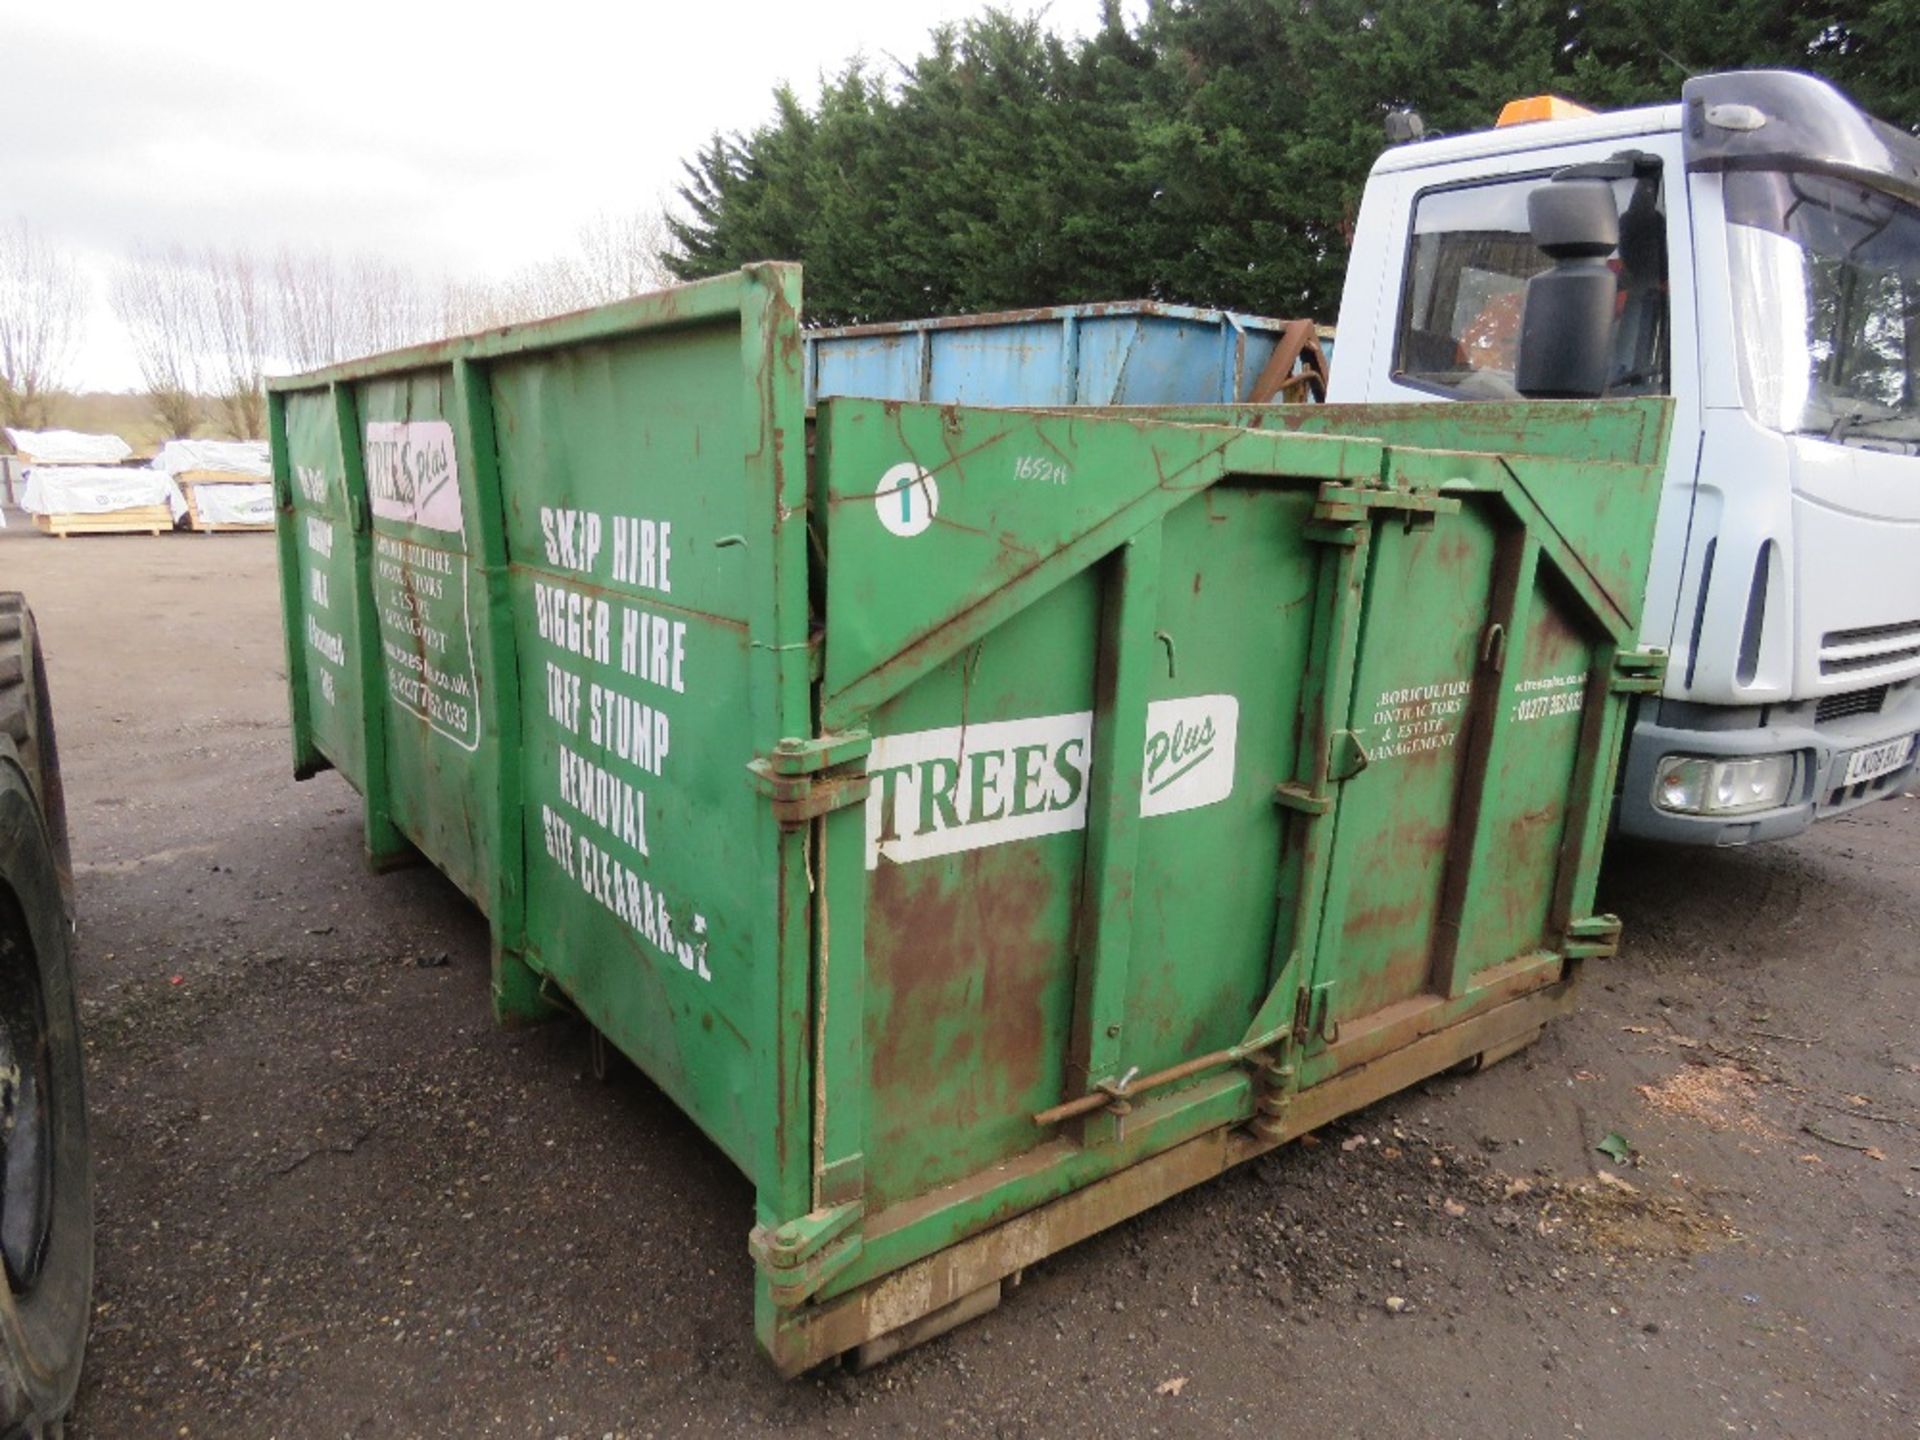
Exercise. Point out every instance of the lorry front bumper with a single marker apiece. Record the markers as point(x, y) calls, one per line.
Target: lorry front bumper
point(1822, 748)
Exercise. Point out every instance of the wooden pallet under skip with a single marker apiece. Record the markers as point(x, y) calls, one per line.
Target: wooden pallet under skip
point(143, 519)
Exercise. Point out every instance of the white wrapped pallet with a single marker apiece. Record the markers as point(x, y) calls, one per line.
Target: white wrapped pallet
point(95, 499)
point(223, 484)
point(67, 447)
point(53, 447)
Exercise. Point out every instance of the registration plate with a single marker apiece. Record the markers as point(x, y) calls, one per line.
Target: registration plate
point(1877, 760)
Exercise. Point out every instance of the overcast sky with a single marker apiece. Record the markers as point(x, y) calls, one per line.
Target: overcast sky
point(462, 139)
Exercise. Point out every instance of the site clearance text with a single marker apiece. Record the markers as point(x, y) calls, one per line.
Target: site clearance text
point(613, 737)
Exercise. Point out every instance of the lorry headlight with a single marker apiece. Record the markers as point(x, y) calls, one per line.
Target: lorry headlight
point(1698, 785)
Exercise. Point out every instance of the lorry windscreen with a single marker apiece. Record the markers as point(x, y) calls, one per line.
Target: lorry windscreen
point(1826, 297)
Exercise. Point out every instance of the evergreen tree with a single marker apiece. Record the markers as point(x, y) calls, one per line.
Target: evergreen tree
point(1214, 153)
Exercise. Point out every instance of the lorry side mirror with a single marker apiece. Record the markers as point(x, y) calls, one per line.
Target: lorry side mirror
point(1566, 322)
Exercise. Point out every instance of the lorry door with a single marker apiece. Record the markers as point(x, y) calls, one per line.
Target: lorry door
point(1453, 255)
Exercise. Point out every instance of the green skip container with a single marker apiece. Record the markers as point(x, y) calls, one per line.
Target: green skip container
point(984, 823)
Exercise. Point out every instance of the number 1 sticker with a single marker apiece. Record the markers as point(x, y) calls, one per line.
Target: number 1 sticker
point(906, 499)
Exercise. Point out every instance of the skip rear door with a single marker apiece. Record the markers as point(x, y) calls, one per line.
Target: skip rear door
point(1475, 757)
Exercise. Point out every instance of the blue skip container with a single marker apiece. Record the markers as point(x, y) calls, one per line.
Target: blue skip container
point(1136, 352)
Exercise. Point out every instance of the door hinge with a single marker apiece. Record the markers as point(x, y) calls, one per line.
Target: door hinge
point(1275, 1084)
point(1593, 938)
point(1339, 504)
point(1639, 672)
point(1346, 756)
point(809, 778)
point(802, 1255)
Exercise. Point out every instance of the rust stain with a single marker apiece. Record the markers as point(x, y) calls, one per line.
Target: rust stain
point(965, 952)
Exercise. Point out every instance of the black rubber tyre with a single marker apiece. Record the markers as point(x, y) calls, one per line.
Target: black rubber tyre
point(26, 719)
point(46, 1161)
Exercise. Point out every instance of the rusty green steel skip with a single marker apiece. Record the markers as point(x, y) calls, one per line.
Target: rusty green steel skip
point(983, 823)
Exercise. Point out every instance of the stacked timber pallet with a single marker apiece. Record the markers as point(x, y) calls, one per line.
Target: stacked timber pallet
point(54, 447)
point(73, 484)
point(223, 485)
point(99, 500)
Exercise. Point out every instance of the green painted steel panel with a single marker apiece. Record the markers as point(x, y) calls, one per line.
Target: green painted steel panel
point(426, 595)
point(1427, 607)
point(319, 522)
point(959, 810)
point(961, 1052)
point(1237, 589)
point(632, 623)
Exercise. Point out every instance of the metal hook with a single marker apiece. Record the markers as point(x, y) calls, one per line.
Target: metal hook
point(1167, 640)
point(1493, 649)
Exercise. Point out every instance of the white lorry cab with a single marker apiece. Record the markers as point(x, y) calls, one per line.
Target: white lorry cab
point(1768, 279)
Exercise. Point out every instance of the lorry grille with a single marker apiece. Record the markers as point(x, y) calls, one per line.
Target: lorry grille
point(1869, 647)
point(1850, 702)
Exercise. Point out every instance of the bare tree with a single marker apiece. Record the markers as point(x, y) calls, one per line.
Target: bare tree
point(470, 305)
point(327, 310)
point(617, 255)
point(392, 308)
point(531, 293)
point(551, 287)
point(622, 254)
point(308, 301)
point(239, 331)
point(160, 298)
point(39, 324)
point(218, 321)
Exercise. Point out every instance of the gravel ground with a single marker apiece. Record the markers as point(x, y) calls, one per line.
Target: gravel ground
point(336, 1200)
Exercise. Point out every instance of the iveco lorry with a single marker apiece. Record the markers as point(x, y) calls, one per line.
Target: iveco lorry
point(1769, 281)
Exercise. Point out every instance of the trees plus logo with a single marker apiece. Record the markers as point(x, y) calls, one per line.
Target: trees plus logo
point(1190, 753)
point(936, 792)
point(412, 474)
